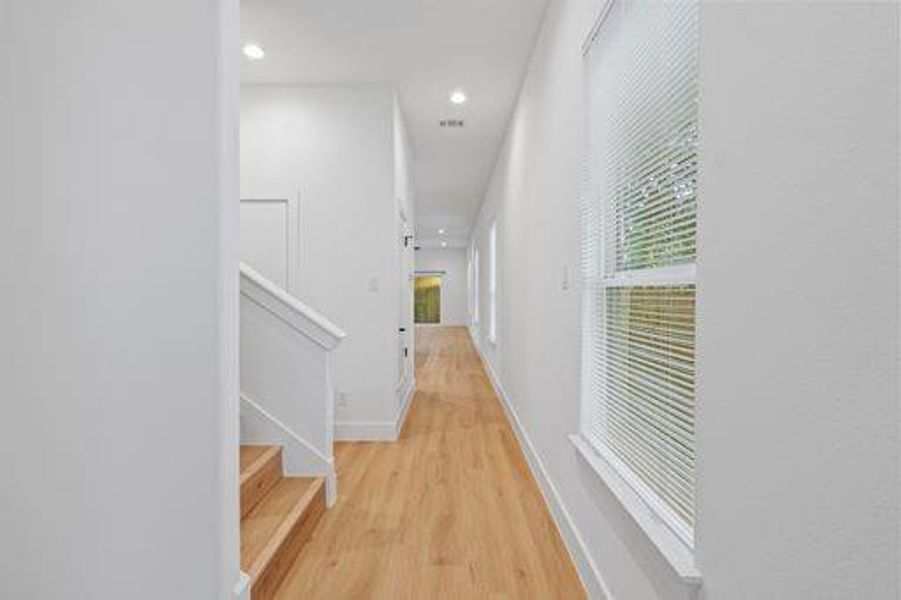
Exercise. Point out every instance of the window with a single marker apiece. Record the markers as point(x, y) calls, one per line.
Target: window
point(492, 283)
point(638, 249)
point(469, 286)
point(475, 285)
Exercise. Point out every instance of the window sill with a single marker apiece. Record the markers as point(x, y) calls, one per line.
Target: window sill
point(670, 546)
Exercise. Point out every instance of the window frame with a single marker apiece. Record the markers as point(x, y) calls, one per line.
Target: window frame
point(653, 516)
point(475, 285)
point(492, 282)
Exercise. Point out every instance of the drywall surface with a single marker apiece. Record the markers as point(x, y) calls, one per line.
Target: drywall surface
point(533, 196)
point(452, 264)
point(333, 148)
point(117, 355)
point(798, 440)
point(798, 312)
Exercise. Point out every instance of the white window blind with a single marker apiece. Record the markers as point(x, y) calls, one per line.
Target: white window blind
point(638, 252)
point(492, 282)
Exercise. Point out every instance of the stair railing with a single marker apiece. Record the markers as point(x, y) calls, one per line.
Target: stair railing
point(287, 377)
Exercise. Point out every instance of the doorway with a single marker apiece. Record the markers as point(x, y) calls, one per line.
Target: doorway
point(405, 315)
point(427, 299)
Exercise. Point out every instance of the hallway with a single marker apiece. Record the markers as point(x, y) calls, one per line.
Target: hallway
point(450, 510)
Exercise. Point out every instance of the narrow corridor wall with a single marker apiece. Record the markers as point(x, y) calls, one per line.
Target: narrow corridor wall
point(334, 148)
point(451, 262)
point(798, 278)
point(118, 317)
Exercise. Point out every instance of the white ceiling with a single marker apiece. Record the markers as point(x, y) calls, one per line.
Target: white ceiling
point(426, 48)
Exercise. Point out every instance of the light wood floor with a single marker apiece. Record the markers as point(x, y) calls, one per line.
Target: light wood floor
point(448, 511)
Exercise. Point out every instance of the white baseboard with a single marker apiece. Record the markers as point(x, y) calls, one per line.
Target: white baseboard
point(365, 431)
point(588, 572)
point(378, 431)
point(241, 589)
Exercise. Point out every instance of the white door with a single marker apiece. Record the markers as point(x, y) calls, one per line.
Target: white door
point(405, 306)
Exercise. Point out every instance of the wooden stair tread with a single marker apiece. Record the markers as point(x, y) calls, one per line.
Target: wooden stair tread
point(266, 528)
point(251, 454)
point(261, 469)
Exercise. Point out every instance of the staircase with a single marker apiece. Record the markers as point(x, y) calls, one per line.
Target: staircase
point(278, 515)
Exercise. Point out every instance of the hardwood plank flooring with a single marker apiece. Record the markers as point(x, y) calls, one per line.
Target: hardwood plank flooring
point(450, 510)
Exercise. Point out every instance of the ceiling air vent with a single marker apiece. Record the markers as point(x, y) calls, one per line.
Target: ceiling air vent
point(451, 123)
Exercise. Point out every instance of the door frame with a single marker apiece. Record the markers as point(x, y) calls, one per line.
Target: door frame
point(405, 324)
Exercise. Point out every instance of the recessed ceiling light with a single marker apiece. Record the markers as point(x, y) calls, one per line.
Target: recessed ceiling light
point(440, 232)
point(253, 52)
point(444, 244)
point(458, 97)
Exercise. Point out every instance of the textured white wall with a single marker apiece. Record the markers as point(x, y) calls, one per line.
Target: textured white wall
point(118, 348)
point(798, 477)
point(454, 285)
point(334, 147)
point(799, 302)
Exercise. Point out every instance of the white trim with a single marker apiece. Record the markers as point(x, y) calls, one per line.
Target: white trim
point(667, 531)
point(606, 5)
point(292, 238)
point(476, 285)
point(366, 431)
point(648, 519)
point(293, 312)
point(300, 457)
point(649, 500)
point(406, 324)
point(259, 410)
point(591, 577)
point(378, 431)
point(493, 266)
point(331, 488)
point(241, 589)
point(675, 275)
point(406, 401)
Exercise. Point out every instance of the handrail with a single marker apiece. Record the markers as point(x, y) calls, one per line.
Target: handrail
point(289, 309)
point(254, 405)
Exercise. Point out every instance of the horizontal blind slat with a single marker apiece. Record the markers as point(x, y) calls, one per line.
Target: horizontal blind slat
point(638, 222)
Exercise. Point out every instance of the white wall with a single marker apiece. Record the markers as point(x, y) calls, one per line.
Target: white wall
point(269, 237)
point(454, 284)
point(334, 147)
point(798, 302)
point(118, 440)
point(798, 475)
point(403, 157)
